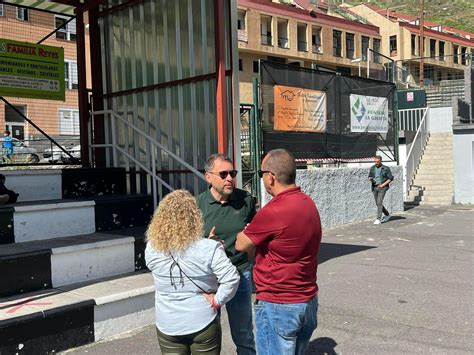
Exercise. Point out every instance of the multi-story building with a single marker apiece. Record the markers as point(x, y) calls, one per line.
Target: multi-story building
point(295, 32)
point(56, 118)
point(446, 53)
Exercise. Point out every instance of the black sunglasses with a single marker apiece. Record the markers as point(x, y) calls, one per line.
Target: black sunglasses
point(261, 172)
point(223, 174)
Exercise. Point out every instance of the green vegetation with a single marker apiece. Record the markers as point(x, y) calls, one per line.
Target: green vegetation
point(454, 13)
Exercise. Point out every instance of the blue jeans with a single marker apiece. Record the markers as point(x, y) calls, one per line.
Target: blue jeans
point(239, 311)
point(285, 329)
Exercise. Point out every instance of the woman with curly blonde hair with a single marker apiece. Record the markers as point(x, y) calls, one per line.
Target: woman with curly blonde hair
point(193, 277)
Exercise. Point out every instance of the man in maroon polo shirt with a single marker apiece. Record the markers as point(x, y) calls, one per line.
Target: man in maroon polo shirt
point(285, 236)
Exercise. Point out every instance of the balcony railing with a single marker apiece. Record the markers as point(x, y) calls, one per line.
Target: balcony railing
point(266, 40)
point(282, 42)
point(317, 48)
point(242, 35)
point(302, 46)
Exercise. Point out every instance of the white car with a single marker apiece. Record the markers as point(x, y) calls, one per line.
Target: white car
point(57, 155)
point(22, 153)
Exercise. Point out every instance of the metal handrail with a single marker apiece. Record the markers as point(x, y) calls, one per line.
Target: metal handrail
point(416, 150)
point(410, 119)
point(152, 141)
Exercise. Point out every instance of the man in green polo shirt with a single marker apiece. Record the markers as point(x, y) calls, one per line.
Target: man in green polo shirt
point(226, 211)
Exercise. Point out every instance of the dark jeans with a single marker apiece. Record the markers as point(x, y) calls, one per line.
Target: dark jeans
point(206, 341)
point(379, 194)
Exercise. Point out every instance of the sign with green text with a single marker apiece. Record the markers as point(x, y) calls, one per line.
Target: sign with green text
point(31, 71)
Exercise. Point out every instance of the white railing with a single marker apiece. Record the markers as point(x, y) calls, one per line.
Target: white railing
point(410, 119)
point(416, 150)
point(156, 150)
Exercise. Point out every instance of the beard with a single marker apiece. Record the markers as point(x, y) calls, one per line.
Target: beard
point(225, 191)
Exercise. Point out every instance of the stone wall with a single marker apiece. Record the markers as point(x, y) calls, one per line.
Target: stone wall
point(344, 195)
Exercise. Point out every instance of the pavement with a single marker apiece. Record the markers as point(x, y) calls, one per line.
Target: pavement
point(402, 287)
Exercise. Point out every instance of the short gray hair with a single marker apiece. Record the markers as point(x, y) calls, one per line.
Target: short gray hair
point(209, 165)
point(378, 157)
point(282, 164)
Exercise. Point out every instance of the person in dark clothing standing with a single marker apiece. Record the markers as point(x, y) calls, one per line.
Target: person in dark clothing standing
point(380, 176)
point(226, 210)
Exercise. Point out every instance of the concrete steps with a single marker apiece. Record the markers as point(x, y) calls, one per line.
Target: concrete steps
point(435, 168)
point(434, 180)
point(39, 220)
point(72, 260)
point(416, 192)
point(57, 262)
point(50, 321)
point(53, 219)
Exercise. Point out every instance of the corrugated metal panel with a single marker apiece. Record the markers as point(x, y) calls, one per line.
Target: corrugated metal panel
point(176, 44)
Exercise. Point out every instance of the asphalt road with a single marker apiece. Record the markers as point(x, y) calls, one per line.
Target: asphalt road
point(402, 287)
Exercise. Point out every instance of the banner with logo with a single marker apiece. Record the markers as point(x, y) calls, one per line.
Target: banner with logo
point(369, 114)
point(299, 110)
point(31, 71)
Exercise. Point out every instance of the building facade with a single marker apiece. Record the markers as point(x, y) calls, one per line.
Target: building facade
point(56, 118)
point(290, 33)
point(447, 51)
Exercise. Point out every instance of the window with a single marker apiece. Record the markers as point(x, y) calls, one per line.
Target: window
point(282, 27)
point(22, 14)
point(463, 55)
point(455, 54)
point(413, 44)
point(421, 44)
point(241, 65)
point(68, 121)
point(344, 70)
point(337, 43)
point(393, 45)
point(65, 31)
point(316, 40)
point(12, 115)
point(365, 43)
point(441, 50)
point(276, 59)
point(376, 43)
point(302, 37)
point(432, 48)
point(266, 30)
point(2, 10)
point(241, 19)
point(350, 45)
point(255, 66)
point(70, 74)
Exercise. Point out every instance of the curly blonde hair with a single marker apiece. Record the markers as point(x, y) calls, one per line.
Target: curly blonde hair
point(176, 223)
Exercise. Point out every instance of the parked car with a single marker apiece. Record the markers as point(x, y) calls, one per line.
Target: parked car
point(56, 155)
point(22, 153)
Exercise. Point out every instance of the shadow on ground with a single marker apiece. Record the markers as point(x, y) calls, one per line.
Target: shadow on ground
point(395, 218)
point(322, 346)
point(330, 251)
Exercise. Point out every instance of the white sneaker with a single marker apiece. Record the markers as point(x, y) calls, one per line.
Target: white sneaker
point(377, 221)
point(386, 218)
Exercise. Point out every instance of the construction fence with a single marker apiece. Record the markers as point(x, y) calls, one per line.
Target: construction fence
point(323, 116)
